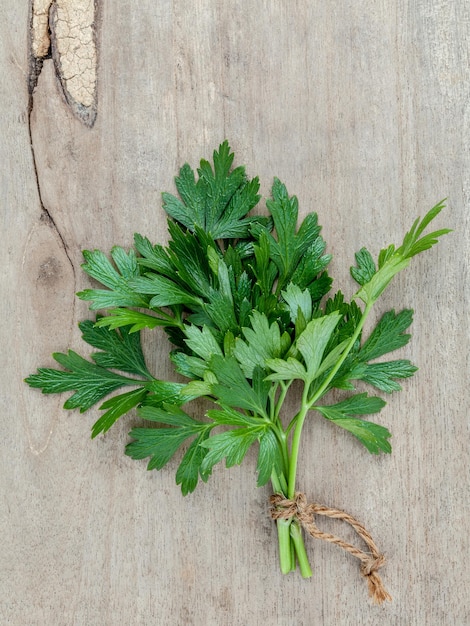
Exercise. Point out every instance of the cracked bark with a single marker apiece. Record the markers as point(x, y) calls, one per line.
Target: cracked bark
point(64, 30)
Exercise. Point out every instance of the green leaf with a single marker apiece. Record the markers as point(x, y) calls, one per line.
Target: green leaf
point(135, 319)
point(263, 268)
point(165, 292)
point(231, 445)
point(116, 407)
point(220, 270)
point(365, 269)
point(160, 444)
point(191, 210)
point(233, 223)
point(296, 254)
point(89, 381)
point(219, 201)
point(388, 335)
point(298, 300)
point(120, 293)
point(155, 257)
point(190, 470)
point(120, 349)
point(412, 244)
point(372, 289)
point(373, 436)
point(189, 257)
point(198, 388)
point(384, 375)
point(360, 404)
point(201, 341)
point(313, 341)
point(229, 343)
point(220, 310)
point(392, 261)
point(263, 341)
point(188, 366)
point(171, 414)
point(162, 392)
point(290, 369)
point(227, 416)
point(284, 210)
point(309, 271)
point(92, 381)
point(233, 388)
point(126, 262)
point(320, 287)
point(268, 457)
point(221, 183)
point(332, 357)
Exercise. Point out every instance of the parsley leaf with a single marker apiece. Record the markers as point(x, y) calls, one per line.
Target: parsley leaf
point(119, 293)
point(219, 201)
point(89, 381)
point(372, 436)
point(388, 335)
point(263, 341)
point(287, 250)
point(92, 381)
point(233, 389)
point(160, 444)
point(383, 375)
point(391, 260)
point(313, 341)
point(231, 445)
point(116, 408)
point(119, 349)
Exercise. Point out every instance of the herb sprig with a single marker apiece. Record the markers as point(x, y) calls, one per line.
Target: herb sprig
point(244, 300)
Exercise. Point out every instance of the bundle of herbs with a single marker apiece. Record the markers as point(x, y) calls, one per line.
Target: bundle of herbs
point(244, 300)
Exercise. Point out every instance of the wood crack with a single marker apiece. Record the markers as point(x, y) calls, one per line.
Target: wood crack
point(45, 213)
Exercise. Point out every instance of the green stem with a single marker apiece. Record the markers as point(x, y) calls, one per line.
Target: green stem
point(324, 386)
point(298, 542)
point(294, 455)
point(282, 397)
point(286, 560)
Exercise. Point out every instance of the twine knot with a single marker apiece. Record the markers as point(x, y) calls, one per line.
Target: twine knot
point(300, 509)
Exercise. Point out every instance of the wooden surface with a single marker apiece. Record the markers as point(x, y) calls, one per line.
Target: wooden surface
point(362, 109)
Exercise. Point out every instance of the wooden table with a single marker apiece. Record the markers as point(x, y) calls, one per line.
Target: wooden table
point(362, 109)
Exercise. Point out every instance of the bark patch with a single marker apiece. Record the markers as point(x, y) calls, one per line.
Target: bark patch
point(65, 30)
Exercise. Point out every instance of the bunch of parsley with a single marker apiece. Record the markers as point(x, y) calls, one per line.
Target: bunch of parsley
point(243, 299)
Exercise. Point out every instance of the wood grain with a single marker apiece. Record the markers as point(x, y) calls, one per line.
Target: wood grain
point(361, 108)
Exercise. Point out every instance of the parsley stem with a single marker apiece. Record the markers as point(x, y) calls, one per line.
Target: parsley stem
point(286, 555)
point(298, 542)
point(282, 440)
point(299, 422)
point(324, 386)
point(307, 403)
point(282, 396)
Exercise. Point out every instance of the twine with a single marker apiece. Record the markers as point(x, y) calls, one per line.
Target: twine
point(371, 562)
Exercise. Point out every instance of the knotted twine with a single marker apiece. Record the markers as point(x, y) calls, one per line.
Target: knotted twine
point(371, 562)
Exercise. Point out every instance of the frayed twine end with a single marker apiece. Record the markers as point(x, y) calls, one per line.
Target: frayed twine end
point(371, 562)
